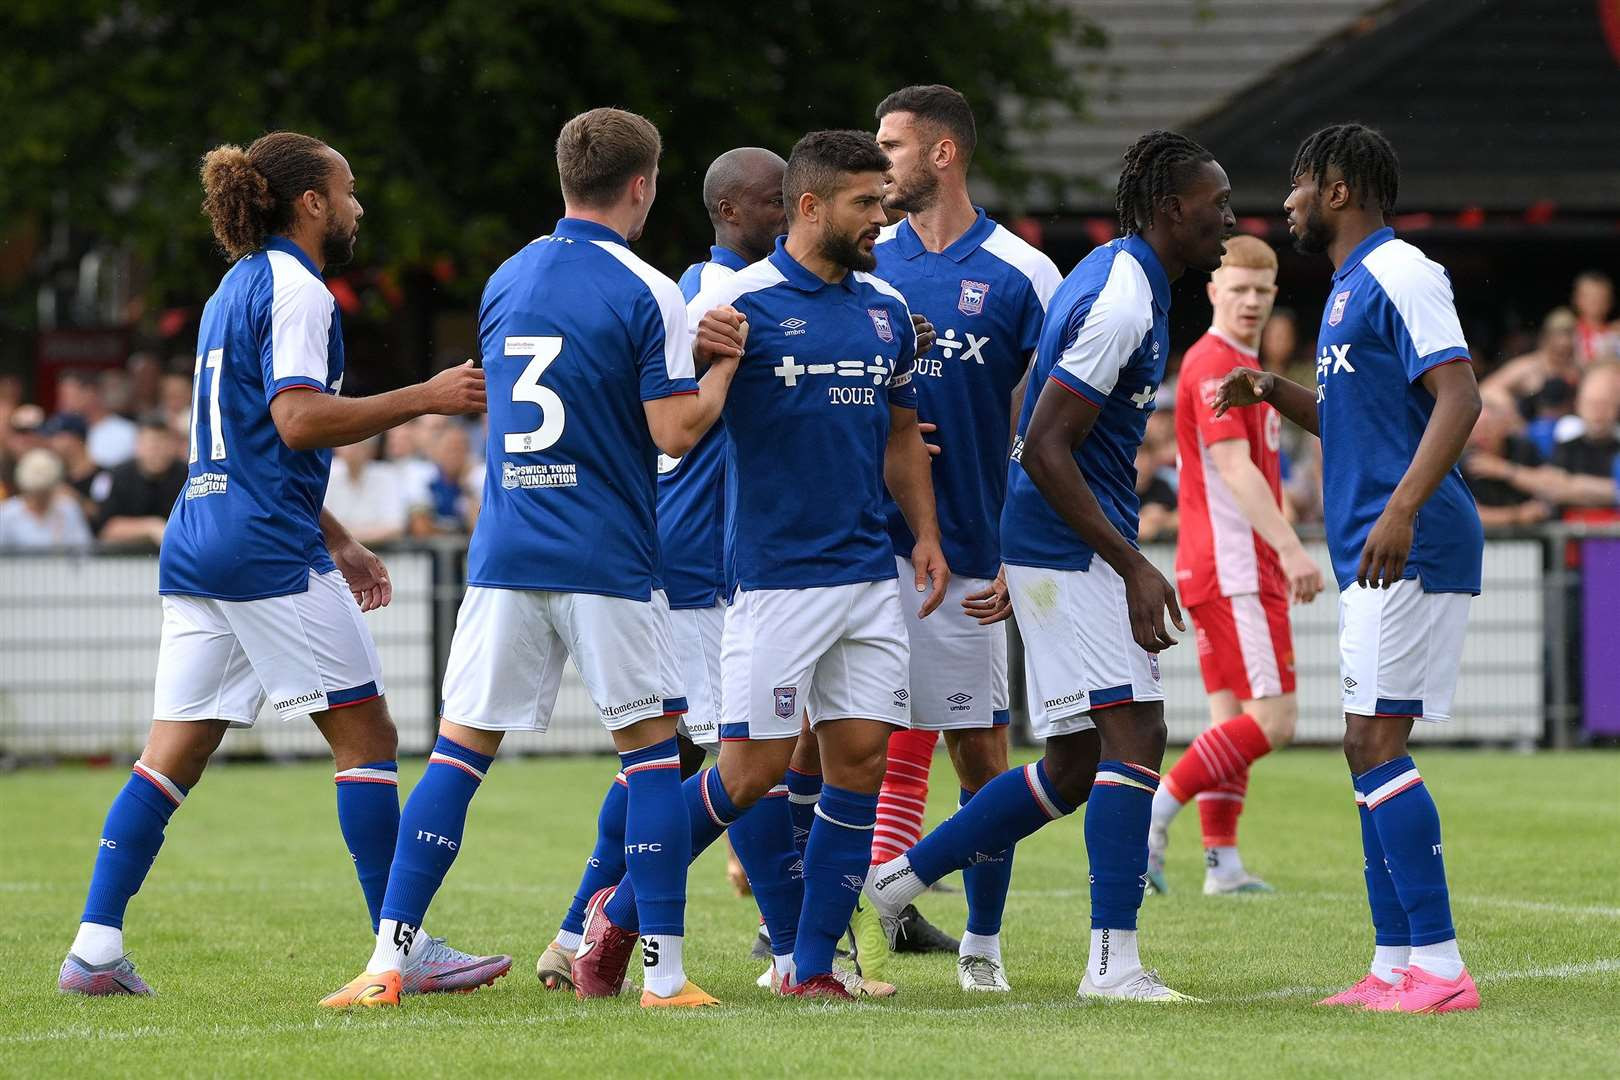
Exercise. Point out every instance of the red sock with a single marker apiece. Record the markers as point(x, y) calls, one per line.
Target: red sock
point(904, 795)
point(1218, 810)
point(1219, 753)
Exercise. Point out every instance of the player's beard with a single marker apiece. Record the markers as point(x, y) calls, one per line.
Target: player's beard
point(846, 251)
point(337, 246)
point(916, 193)
point(1314, 237)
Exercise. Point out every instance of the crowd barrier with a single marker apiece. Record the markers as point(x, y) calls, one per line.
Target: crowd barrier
point(78, 647)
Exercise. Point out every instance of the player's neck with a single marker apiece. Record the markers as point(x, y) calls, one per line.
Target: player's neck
point(807, 253)
point(1173, 266)
point(1250, 342)
point(734, 243)
point(608, 217)
point(310, 246)
point(1353, 229)
point(943, 223)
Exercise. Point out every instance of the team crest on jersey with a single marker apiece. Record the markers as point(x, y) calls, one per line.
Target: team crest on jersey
point(880, 323)
point(1208, 390)
point(1337, 314)
point(971, 299)
point(787, 700)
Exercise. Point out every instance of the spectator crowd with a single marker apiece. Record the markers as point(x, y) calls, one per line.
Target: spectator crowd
point(106, 465)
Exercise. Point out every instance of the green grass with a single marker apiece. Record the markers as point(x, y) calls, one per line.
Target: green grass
point(251, 914)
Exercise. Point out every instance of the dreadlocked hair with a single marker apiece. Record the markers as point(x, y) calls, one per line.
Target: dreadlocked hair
point(1156, 165)
point(1363, 157)
point(249, 194)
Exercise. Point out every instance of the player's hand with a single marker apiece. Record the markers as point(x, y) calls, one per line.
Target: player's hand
point(928, 429)
point(1147, 597)
point(457, 391)
point(1243, 386)
point(1304, 576)
point(1383, 559)
point(722, 334)
point(364, 573)
point(990, 605)
point(930, 563)
point(925, 333)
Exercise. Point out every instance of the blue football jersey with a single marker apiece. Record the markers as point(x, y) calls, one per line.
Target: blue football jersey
point(807, 421)
point(691, 489)
point(1106, 339)
point(576, 332)
point(247, 523)
point(1389, 318)
point(986, 295)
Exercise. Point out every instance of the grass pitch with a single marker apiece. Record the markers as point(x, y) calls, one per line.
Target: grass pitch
point(252, 913)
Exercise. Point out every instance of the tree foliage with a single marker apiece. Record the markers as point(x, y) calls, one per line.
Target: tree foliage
point(448, 111)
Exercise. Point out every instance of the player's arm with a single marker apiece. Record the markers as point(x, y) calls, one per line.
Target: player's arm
point(1253, 496)
point(677, 422)
point(1456, 407)
point(362, 571)
point(1061, 422)
point(906, 472)
point(1245, 386)
point(308, 419)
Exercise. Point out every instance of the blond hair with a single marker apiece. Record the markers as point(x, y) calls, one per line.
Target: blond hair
point(1249, 253)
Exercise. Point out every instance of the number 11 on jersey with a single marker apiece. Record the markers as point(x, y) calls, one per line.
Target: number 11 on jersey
point(542, 351)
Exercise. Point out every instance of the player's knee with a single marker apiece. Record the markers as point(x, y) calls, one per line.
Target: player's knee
point(1369, 742)
point(1277, 718)
point(1071, 765)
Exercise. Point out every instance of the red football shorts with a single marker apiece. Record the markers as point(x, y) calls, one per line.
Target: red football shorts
point(1245, 645)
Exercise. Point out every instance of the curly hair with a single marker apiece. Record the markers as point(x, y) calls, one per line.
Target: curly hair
point(1363, 157)
point(249, 194)
point(1156, 165)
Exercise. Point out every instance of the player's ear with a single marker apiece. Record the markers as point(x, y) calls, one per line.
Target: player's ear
point(809, 206)
point(944, 153)
point(1209, 288)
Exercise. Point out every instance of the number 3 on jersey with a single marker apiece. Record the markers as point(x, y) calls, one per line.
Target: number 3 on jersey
point(542, 351)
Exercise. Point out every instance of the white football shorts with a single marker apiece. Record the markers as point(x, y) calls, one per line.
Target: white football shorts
point(1079, 653)
point(1400, 649)
point(306, 652)
point(958, 668)
point(838, 651)
point(697, 633)
point(506, 659)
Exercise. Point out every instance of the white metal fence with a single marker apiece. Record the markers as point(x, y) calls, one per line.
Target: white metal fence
point(78, 647)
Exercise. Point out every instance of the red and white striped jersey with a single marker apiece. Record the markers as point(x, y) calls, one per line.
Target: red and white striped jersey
point(1218, 553)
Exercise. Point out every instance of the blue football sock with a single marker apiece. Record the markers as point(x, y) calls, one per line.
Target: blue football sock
point(1388, 917)
point(1117, 818)
point(709, 810)
point(763, 841)
point(835, 863)
point(1408, 826)
point(657, 837)
point(430, 829)
point(1003, 812)
point(129, 842)
point(606, 863)
point(985, 881)
point(803, 791)
point(368, 816)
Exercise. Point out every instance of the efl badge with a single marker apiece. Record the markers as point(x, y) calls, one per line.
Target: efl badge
point(787, 697)
point(971, 300)
point(880, 323)
point(1337, 313)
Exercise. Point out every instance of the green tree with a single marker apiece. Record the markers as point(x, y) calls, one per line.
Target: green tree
point(448, 111)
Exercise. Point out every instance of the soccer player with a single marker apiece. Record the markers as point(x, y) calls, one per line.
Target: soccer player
point(591, 371)
point(262, 590)
point(742, 192)
point(1089, 605)
point(985, 291)
point(821, 417)
point(1237, 563)
point(1395, 400)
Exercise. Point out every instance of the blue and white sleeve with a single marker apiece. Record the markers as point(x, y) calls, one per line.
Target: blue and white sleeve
point(1103, 336)
point(294, 352)
point(1417, 311)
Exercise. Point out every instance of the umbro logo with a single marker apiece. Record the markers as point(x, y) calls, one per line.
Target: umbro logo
point(793, 325)
point(854, 881)
point(959, 698)
point(1349, 683)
